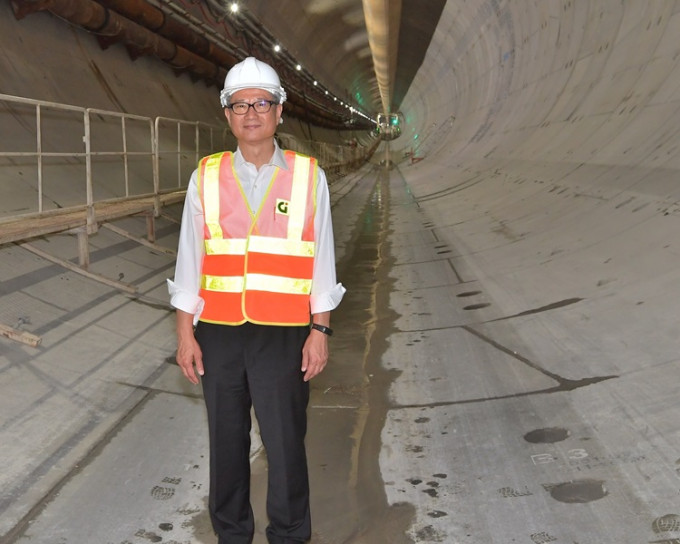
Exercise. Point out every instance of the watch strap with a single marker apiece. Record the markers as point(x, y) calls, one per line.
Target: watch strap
point(321, 328)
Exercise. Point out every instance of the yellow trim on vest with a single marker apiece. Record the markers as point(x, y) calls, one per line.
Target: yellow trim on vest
point(265, 197)
point(256, 322)
point(315, 185)
point(211, 195)
point(225, 246)
point(281, 246)
point(298, 198)
point(251, 212)
point(233, 323)
point(278, 284)
point(223, 284)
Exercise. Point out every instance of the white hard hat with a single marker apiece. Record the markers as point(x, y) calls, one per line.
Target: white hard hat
point(252, 74)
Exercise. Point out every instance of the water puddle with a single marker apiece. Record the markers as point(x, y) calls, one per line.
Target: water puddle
point(579, 491)
point(548, 435)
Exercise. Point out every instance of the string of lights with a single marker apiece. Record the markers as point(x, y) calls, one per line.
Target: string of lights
point(299, 77)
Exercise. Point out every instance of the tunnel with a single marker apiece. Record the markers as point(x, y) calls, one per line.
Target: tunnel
point(504, 186)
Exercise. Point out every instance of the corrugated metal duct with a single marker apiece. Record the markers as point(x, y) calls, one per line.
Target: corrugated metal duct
point(110, 27)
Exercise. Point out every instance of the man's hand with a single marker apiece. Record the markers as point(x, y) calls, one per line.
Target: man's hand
point(314, 354)
point(189, 353)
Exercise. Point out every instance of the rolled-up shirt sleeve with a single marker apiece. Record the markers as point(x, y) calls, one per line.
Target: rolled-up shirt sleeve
point(326, 291)
point(184, 288)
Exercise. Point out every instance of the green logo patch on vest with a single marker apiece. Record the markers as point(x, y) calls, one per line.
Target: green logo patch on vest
point(282, 206)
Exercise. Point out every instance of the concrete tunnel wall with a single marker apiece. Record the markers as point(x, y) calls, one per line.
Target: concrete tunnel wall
point(548, 133)
point(45, 58)
point(592, 83)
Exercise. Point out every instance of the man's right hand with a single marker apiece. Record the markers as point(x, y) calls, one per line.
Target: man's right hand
point(189, 354)
point(190, 359)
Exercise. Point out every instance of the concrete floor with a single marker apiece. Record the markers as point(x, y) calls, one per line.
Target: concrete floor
point(445, 414)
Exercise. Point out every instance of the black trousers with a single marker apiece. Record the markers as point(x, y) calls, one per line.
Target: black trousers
point(259, 366)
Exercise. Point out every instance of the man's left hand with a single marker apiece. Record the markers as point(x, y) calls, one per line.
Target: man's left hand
point(314, 354)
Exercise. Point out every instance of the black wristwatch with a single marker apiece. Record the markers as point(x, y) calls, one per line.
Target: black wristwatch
point(321, 328)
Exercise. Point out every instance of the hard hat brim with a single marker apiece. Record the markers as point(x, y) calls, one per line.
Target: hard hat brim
point(278, 92)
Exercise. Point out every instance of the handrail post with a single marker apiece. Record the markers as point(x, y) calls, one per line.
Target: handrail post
point(91, 218)
point(38, 145)
point(125, 157)
point(155, 153)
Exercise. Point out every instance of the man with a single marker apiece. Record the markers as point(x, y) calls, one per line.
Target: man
point(256, 263)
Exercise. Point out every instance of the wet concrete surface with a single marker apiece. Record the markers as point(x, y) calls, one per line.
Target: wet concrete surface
point(345, 467)
point(143, 477)
point(433, 422)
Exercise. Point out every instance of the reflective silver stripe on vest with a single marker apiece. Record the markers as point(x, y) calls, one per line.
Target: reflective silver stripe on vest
point(225, 246)
point(278, 284)
point(280, 246)
point(298, 197)
point(223, 284)
point(257, 282)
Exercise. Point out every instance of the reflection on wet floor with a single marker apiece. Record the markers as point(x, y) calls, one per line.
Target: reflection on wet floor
point(348, 497)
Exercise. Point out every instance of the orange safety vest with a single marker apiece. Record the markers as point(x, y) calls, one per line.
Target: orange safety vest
point(258, 266)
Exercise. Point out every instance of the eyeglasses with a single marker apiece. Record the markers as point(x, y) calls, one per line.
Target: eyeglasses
point(261, 106)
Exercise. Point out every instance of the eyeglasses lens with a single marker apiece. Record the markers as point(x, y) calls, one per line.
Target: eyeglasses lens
point(241, 108)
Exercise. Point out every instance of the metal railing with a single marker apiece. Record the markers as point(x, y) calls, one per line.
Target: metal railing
point(120, 156)
point(335, 159)
point(186, 157)
point(58, 159)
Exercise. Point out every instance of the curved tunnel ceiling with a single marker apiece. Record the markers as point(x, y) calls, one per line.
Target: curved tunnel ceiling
point(329, 39)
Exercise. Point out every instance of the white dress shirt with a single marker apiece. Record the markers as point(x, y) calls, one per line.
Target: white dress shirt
point(326, 292)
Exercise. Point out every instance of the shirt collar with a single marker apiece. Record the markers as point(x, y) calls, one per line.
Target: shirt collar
point(278, 159)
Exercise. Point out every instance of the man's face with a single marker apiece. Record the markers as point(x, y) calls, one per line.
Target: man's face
point(253, 127)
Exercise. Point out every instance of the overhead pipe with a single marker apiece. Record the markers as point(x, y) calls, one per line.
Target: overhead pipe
point(382, 19)
point(156, 20)
point(110, 27)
